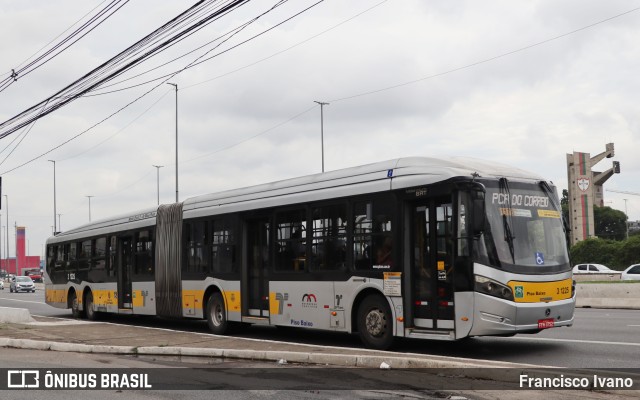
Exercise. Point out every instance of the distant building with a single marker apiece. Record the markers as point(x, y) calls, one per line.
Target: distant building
point(585, 190)
point(22, 262)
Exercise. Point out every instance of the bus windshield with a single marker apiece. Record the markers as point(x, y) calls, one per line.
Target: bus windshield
point(525, 233)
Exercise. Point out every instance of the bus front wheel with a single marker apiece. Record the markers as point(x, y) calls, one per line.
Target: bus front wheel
point(375, 324)
point(217, 314)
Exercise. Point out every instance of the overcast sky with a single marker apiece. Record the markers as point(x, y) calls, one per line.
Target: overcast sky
point(236, 127)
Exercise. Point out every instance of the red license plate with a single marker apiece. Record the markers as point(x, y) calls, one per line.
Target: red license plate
point(546, 323)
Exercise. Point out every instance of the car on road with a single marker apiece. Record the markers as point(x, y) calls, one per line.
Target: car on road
point(22, 284)
point(593, 269)
point(632, 273)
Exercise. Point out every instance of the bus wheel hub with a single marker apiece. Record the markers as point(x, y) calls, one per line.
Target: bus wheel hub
point(375, 322)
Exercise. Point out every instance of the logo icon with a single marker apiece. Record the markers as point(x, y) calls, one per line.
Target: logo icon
point(539, 258)
point(281, 298)
point(583, 184)
point(519, 292)
point(309, 300)
point(23, 379)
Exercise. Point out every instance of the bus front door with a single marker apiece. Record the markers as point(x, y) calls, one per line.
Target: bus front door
point(124, 272)
point(432, 266)
point(257, 261)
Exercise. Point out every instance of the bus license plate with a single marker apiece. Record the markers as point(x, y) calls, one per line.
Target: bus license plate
point(546, 323)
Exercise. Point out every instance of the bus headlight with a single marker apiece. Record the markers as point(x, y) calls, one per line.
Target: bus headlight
point(493, 288)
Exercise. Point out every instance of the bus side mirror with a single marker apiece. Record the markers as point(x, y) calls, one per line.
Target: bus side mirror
point(478, 216)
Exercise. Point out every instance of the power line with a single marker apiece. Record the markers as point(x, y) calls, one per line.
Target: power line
point(63, 32)
point(61, 46)
point(230, 72)
point(486, 60)
point(280, 2)
point(118, 131)
point(130, 57)
point(623, 192)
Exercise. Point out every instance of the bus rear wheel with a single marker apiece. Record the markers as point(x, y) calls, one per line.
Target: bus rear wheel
point(75, 306)
point(375, 324)
point(217, 314)
point(92, 315)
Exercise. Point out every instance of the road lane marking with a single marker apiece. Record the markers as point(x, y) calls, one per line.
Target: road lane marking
point(575, 341)
point(23, 301)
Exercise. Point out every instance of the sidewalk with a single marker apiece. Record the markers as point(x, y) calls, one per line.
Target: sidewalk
point(44, 333)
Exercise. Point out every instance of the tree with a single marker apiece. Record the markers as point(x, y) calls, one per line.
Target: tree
point(610, 223)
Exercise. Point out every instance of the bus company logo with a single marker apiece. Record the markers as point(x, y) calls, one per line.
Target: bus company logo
point(309, 301)
point(281, 298)
point(583, 184)
point(519, 292)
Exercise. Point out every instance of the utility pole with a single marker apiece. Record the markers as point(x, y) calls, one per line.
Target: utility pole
point(322, 104)
point(158, 179)
point(627, 215)
point(89, 197)
point(54, 197)
point(176, 87)
point(7, 202)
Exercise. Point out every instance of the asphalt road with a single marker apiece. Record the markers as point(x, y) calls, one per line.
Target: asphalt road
point(599, 338)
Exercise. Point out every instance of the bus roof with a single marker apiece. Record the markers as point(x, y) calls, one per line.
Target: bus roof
point(376, 177)
point(381, 176)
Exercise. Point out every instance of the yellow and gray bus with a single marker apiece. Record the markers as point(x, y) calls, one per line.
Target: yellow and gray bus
point(420, 247)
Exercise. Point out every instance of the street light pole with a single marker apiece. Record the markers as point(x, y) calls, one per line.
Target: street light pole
point(322, 104)
point(7, 202)
point(176, 87)
point(89, 197)
point(158, 179)
point(627, 215)
point(55, 227)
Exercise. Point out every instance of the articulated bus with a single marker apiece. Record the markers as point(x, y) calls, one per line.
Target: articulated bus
point(429, 248)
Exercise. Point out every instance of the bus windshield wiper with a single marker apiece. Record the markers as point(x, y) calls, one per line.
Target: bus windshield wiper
point(508, 235)
point(552, 195)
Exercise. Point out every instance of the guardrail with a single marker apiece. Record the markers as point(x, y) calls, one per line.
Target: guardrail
point(608, 295)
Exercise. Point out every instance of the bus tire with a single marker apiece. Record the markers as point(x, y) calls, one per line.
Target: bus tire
point(75, 306)
point(92, 315)
point(217, 314)
point(375, 324)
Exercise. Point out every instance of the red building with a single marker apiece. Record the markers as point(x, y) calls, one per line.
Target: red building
point(22, 262)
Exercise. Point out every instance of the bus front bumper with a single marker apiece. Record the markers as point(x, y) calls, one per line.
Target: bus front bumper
point(494, 316)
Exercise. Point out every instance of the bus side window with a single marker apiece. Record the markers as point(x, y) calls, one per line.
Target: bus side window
point(223, 247)
point(143, 264)
point(291, 241)
point(111, 260)
point(196, 243)
point(373, 236)
point(329, 238)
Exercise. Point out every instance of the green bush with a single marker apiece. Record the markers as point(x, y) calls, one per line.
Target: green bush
point(629, 252)
point(598, 251)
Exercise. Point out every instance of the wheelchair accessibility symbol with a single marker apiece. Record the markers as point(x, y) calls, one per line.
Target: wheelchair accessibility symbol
point(539, 258)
